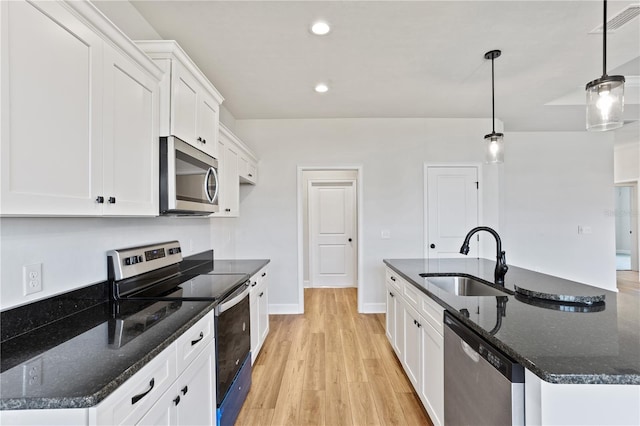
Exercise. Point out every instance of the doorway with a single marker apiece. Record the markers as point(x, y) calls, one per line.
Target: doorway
point(331, 226)
point(626, 224)
point(329, 231)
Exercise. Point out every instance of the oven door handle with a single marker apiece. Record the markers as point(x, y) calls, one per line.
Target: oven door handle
point(234, 298)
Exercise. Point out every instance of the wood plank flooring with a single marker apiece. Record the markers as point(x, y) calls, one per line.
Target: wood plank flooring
point(628, 282)
point(330, 366)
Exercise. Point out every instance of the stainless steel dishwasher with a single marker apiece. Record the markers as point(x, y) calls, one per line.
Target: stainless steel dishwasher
point(482, 386)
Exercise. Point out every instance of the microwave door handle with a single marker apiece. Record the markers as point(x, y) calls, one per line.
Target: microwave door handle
point(215, 176)
point(206, 186)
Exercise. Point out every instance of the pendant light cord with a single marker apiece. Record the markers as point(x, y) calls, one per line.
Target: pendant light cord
point(493, 100)
point(604, 40)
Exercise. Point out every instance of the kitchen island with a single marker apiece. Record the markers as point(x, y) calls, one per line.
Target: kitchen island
point(575, 356)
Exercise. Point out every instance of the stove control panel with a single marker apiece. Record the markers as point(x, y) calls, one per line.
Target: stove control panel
point(132, 261)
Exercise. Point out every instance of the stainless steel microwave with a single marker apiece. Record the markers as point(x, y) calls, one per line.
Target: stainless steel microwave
point(189, 184)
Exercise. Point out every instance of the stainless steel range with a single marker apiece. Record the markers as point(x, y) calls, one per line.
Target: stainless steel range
point(157, 274)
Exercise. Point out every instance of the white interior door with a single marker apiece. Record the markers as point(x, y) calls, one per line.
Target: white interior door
point(333, 245)
point(452, 210)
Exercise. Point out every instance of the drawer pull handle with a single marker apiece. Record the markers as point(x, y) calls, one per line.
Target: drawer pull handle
point(393, 278)
point(100, 199)
point(391, 294)
point(255, 283)
point(184, 390)
point(177, 400)
point(142, 395)
point(261, 294)
point(193, 342)
point(250, 175)
point(264, 274)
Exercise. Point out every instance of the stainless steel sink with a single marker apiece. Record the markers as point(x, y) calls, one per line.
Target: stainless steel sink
point(463, 286)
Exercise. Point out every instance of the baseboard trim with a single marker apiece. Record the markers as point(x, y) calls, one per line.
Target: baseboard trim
point(374, 308)
point(285, 309)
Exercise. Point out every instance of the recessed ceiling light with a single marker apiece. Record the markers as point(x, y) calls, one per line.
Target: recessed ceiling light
point(321, 88)
point(320, 28)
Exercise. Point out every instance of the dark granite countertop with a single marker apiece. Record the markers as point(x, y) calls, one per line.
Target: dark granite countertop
point(560, 343)
point(79, 360)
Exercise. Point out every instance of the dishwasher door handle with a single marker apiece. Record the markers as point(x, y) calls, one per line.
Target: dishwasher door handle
point(468, 350)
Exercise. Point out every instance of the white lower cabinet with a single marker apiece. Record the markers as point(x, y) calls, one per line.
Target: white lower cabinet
point(259, 309)
point(431, 390)
point(127, 404)
point(391, 316)
point(412, 353)
point(191, 399)
point(417, 338)
point(167, 389)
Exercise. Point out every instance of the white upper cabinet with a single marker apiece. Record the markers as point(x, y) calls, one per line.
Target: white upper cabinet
point(230, 186)
point(248, 168)
point(130, 132)
point(78, 114)
point(189, 104)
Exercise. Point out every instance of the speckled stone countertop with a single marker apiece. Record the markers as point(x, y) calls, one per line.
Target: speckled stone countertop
point(560, 343)
point(79, 359)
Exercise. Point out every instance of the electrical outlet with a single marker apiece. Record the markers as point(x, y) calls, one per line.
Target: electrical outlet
point(32, 375)
point(32, 278)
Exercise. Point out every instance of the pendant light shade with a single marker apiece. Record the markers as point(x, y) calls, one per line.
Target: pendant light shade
point(494, 142)
point(494, 148)
point(605, 95)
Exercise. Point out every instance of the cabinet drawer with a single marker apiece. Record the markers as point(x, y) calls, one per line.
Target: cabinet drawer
point(411, 295)
point(135, 396)
point(394, 280)
point(432, 312)
point(194, 340)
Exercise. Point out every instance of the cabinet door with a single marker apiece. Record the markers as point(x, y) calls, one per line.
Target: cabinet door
point(254, 310)
point(130, 138)
point(208, 116)
point(248, 171)
point(163, 412)
point(432, 387)
point(398, 341)
point(195, 389)
point(263, 311)
point(51, 86)
point(231, 182)
point(391, 316)
point(184, 105)
point(412, 354)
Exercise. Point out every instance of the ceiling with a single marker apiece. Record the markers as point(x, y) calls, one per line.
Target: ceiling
point(406, 58)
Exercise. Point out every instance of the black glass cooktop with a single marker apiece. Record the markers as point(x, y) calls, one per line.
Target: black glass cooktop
point(206, 287)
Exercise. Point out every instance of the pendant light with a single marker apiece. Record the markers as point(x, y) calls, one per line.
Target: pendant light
point(494, 142)
point(605, 96)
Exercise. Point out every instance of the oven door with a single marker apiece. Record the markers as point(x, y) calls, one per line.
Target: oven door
point(189, 182)
point(233, 338)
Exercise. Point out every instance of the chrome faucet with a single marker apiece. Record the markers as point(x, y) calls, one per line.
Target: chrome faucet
point(501, 263)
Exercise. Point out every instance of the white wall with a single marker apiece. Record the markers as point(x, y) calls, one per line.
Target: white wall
point(626, 162)
point(554, 182)
point(392, 153)
point(73, 250)
point(128, 19)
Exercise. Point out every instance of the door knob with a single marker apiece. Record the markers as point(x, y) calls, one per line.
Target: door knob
point(350, 240)
point(432, 246)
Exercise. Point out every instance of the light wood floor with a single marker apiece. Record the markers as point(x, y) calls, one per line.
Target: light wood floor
point(330, 366)
point(628, 282)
